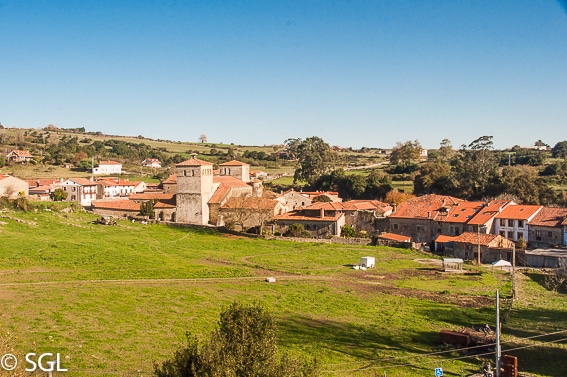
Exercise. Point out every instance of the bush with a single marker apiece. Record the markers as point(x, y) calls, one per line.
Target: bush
point(297, 230)
point(244, 344)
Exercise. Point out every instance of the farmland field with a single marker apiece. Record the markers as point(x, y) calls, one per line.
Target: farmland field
point(112, 300)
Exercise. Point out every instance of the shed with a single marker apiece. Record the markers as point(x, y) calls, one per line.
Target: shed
point(368, 262)
point(452, 264)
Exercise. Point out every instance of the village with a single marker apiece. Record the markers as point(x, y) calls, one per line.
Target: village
point(233, 197)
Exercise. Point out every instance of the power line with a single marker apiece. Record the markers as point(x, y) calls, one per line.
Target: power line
point(448, 351)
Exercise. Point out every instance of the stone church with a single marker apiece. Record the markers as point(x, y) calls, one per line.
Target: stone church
point(200, 193)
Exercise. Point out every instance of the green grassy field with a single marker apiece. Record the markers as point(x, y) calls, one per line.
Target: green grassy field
point(114, 299)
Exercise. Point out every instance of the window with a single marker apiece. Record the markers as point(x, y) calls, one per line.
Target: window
point(538, 235)
point(395, 226)
point(510, 235)
point(549, 234)
point(511, 223)
point(419, 228)
point(520, 223)
point(521, 235)
point(503, 233)
point(502, 222)
point(457, 231)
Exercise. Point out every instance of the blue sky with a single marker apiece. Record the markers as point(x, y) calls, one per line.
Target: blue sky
point(356, 73)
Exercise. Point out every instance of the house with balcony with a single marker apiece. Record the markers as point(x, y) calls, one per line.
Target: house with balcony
point(81, 190)
point(512, 222)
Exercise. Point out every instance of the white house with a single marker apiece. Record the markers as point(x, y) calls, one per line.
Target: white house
point(108, 168)
point(512, 222)
point(152, 163)
point(80, 190)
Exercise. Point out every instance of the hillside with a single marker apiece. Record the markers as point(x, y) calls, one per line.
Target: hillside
point(102, 296)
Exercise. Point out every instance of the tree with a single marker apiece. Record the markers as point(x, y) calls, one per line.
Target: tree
point(560, 150)
point(243, 345)
point(434, 177)
point(476, 169)
point(446, 151)
point(396, 197)
point(378, 184)
point(58, 195)
point(147, 209)
point(314, 158)
point(203, 138)
point(352, 187)
point(405, 155)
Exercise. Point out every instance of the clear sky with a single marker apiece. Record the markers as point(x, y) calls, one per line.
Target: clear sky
point(356, 73)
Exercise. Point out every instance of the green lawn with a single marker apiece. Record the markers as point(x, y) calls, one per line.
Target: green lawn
point(114, 299)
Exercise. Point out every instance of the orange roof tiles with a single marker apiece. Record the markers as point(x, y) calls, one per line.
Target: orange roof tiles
point(428, 206)
point(194, 162)
point(519, 212)
point(151, 195)
point(118, 205)
point(171, 179)
point(21, 153)
point(83, 181)
point(109, 163)
point(552, 217)
point(488, 211)
point(234, 163)
point(443, 238)
point(394, 237)
point(251, 202)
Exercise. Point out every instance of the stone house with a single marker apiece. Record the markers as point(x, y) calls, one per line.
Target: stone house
point(117, 208)
point(493, 247)
point(421, 218)
point(13, 187)
point(322, 226)
point(244, 212)
point(169, 186)
point(547, 228)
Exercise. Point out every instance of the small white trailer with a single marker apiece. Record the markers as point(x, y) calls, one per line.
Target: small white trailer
point(367, 262)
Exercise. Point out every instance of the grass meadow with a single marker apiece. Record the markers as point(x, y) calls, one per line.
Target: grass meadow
point(112, 300)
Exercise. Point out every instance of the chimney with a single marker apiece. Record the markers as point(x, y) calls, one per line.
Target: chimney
point(322, 213)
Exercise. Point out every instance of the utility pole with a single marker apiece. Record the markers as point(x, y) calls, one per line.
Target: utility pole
point(498, 350)
point(513, 271)
point(478, 251)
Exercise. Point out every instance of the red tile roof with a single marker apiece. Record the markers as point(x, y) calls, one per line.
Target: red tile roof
point(519, 212)
point(226, 183)
point(234, 163)
point(443, 238)
point(109, 163)
point(194, 162)
point(251, 202)
point(21, 153)
point(151, 195)
point(171, 179)
point(489, 211)
point(552, 217)
point(83, 181)
point(489, 240)
point(394, 237)
point(428, 206)
point(119, 205)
